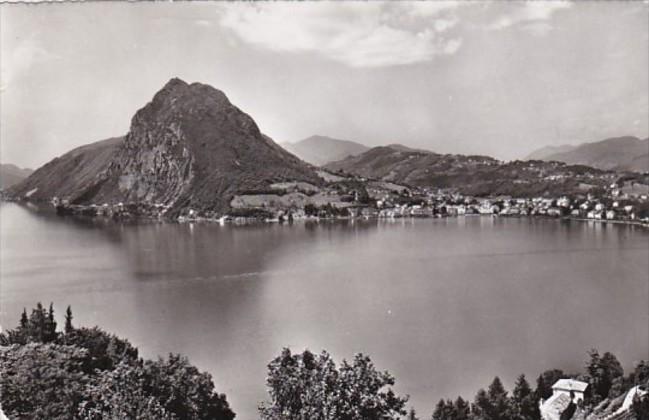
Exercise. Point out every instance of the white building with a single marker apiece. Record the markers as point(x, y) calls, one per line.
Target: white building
point(564, 391)
point(568, 386)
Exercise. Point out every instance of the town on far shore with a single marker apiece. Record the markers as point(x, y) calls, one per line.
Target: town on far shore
point(608, 196)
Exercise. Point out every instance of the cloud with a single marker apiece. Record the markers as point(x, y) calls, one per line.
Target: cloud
point(531, 16)
point(357, 34)
point(23, 58)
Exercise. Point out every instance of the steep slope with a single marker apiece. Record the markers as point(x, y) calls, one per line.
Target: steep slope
point(621, 153)
point(188, 148)
point(11, 174)
point(543, 152)
point(70, 173)
point(319, 150)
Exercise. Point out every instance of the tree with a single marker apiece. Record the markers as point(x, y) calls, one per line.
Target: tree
point(42, 381)
point(184, 391)
point(24, 321)
point(603, 370)
point(545, 381)
point(96, 375)
point(119, 394)
point(68, 320)
point(499, 400)
point(444, 410)
point(640, 375)
point(20, 335)
point(308, 386)
point(50, 325)
point(105, 350)
point(524, 402)
point(492, 404)
point(462, 409)
point(481, 407)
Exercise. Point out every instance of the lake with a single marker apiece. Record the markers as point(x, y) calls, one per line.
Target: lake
point(443, 304)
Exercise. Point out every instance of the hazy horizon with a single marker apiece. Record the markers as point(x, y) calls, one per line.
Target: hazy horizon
point(499, 79)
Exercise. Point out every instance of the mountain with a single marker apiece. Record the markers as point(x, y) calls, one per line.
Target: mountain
point(189, 148)
point(618, 153)
point(319, 150)
point(472, 175)
point(543, 152)
point(67, 175)
point(409, 166)
point(11, 174)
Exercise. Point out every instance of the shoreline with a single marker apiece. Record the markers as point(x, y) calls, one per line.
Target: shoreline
point(243, 221)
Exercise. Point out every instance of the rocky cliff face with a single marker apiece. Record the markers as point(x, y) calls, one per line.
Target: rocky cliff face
point(188, 148)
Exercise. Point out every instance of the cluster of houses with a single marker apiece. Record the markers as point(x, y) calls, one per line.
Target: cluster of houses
point(569, 394)
point(588, 208)
point(393, 201)
point(116, 211)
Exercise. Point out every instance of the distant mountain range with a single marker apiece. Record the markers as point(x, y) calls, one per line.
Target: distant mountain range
point(619, 153)
point(319, 150)
point(11, 174)
point(189, 148)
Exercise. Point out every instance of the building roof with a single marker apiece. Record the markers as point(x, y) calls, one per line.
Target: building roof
point(570, 385)
point(554, 406)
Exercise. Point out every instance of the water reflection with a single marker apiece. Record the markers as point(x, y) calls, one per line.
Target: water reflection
point(444, 304)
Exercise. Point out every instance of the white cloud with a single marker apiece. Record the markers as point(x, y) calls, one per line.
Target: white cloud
point(532, 14)
point(23, 58)
point(358, 34)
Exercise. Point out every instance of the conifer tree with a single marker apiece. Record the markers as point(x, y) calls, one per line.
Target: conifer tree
point(50, 325)
point(499, 400)
point(461, 409)
point(524, 403)
point(68, 320)
point(24, 320)
point(37, 321)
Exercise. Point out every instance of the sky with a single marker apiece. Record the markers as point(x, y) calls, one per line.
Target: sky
point(470, 77)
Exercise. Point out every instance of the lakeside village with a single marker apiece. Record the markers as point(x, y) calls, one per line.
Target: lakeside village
point(347, 198)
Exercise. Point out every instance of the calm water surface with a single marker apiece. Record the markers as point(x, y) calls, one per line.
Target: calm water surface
point(444, 305)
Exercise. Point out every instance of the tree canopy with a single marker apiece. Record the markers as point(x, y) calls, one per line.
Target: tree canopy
point(308, 386)
point(86, 373)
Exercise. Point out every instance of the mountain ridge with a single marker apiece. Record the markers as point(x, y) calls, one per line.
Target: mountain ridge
point(11, 174)
point(626, 153)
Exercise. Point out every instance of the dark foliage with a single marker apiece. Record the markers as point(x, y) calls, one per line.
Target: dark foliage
point(641, 407)
point(42, 380)
point(545, 381)
point(86, 373)
point(308, 386)
point(105, 350)
point(603, 371)
point(524, 402)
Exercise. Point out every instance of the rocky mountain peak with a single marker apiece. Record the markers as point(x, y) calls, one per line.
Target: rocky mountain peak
point(178, 101)
point(188, 148)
